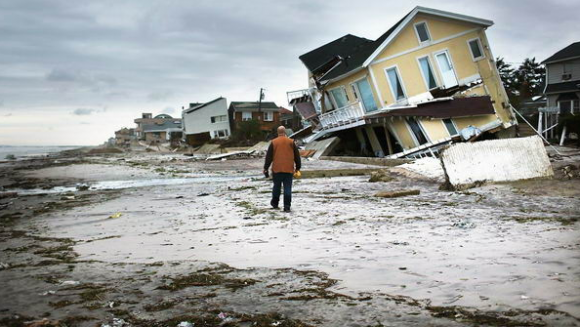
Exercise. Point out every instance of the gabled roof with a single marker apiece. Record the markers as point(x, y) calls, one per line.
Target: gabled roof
point(569, 52)
point(199, 106)
point(166, 126)
point(358, 52)
point(253, 106)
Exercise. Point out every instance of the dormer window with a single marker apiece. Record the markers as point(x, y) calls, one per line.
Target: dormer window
point(422, 32)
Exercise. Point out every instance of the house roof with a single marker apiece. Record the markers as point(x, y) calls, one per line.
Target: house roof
point(284, 111)
point(459, 107)
point(165, 126)
point(200, 105)
point(569, 52)
point(357, 53)
point(572, 86)
point(253, 106)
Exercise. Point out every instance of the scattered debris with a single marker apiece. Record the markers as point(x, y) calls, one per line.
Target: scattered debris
point(185, 324)
point(324, 147)
point(43, 322)
point(117, 322)
point(69, 283)
point(428, 167)
point(4, 265)
point(115, 215)
point(571, 171)
point(82, 186)
point(396, 194)
point(5, 195)
point(203, 194)
point(233, 155)
point(380, 176)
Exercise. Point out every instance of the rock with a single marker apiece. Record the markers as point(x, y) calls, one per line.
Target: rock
point(396, 194)
point(380, 176)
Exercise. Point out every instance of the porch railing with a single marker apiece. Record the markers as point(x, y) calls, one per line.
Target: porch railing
point(342, 116)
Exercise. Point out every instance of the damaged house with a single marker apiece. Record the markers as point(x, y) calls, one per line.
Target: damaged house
point(409, 92)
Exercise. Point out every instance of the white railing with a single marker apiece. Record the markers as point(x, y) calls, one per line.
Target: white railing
point(291, 95)
point(342, 116)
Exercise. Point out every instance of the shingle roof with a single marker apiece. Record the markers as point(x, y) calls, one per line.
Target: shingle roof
point(353, 49)
point(571, 51)
point(200, 105)
point(572, 86)
point(253, 106)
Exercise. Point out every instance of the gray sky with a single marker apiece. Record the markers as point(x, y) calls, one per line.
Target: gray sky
point(73, 72)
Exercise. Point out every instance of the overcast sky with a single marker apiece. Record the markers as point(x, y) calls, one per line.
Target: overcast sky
point(73, 72)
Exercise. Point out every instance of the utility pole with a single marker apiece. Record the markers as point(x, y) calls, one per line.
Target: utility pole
point(260, 103)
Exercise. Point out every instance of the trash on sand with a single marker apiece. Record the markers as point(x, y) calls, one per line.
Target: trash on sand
point(117, 322)
point(115, 215)
point(179, 197)
point(222, 315)
point(203, 194)
point(43, 322)
point(68, 197)
point(380, 176)
point(111, 304)
point(82, 186)
point(185, 324)
point(4, 265)
point(396, 194)
point(232, 155)
point(69, 283)
point(47, 293)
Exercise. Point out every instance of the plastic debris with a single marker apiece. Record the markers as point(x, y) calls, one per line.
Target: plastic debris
point(117, 322)
point(115, 215)
point(203, 194)
point(48, 293)
point(222, 315)
point(185, 324)
point(82, 187)
point(69, 283)
point(4, 265)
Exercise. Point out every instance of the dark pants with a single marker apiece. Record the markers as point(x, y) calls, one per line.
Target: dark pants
point(279, 179)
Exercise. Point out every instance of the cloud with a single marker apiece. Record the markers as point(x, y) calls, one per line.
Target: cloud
point(84, 111)
point(168, 110)
point(160, 95)
point(7, 115)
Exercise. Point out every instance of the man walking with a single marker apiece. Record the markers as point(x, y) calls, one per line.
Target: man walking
point(284, 157)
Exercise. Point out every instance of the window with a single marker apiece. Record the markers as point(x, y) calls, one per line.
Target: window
point(219, 119)
point(339, 97)
point(364, 92)
point(449, 79)
point(565, 107)
point(417, 131)
point(427, 72)
point(268, 116)
point(221, 133)
point(422, 32)
point(246, 115)
point(476, 49)
point(396, 85)
point(450, 127)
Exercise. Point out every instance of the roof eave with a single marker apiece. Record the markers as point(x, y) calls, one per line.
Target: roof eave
point(545, 62)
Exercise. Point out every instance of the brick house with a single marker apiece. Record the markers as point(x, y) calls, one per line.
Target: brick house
point(267, 113)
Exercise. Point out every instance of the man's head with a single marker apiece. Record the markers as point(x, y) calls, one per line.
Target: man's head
point(281, 131)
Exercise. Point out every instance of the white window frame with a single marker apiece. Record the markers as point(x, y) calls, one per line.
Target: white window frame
point(480, 48)
point(454, 125)
point(393, 93)
point(216, 121)
point(355, 91)
point(268, 114)
point(426, 29)
point(435, 77)
point(244, 114)
point(413, 134)
point(439, 73)
point(357, 94)
point(343, 89)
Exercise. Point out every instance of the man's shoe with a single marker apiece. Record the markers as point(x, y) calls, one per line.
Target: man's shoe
point(286, 209)
point(275, 207)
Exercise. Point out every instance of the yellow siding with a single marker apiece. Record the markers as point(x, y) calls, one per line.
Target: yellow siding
point(435, 129)
point(345, 82)
point(476, 121)
point(402, 131)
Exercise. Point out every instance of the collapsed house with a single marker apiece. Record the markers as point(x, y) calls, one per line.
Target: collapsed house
point(408, 93)
point(205, 121)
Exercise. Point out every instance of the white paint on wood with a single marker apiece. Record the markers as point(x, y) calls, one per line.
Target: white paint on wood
point(502, 160)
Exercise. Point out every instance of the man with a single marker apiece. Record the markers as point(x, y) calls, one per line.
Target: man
point(284, 157)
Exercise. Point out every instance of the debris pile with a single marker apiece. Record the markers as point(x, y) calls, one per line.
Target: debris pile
point(571, 171)
point(380, 176)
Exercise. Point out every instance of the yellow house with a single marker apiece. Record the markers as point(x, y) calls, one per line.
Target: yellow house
point(409, 92)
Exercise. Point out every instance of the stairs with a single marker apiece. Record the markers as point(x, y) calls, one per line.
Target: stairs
point(525, 130)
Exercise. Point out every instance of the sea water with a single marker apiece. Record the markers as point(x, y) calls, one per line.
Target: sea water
point(21, 152)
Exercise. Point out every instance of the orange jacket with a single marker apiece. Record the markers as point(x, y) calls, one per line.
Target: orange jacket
point(283, 155)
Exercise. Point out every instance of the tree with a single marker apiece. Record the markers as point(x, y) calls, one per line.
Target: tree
point(530, 78)
point(506, 73)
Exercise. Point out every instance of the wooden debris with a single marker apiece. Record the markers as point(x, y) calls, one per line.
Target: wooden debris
point(396, 194)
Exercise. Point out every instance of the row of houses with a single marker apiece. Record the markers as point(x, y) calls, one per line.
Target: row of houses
point(414, 89)
point(201, 122)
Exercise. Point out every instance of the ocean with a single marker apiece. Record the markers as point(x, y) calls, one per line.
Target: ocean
point(21, 152)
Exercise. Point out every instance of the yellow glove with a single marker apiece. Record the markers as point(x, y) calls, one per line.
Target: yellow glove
point(297, 174)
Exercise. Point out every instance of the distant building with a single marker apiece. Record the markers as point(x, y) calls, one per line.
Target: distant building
point(205, 121)
point(148, 119)
point(169, 130)
point(267, 113)
point(124, 136)
point(563, 79)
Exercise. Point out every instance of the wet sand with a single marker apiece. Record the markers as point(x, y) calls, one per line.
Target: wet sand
point(496, 255)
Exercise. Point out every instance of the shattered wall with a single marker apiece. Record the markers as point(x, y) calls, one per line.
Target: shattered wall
point(468, 164)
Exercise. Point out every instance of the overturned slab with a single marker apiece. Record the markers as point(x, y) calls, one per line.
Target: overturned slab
point(397, 194)
point(470, 164)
